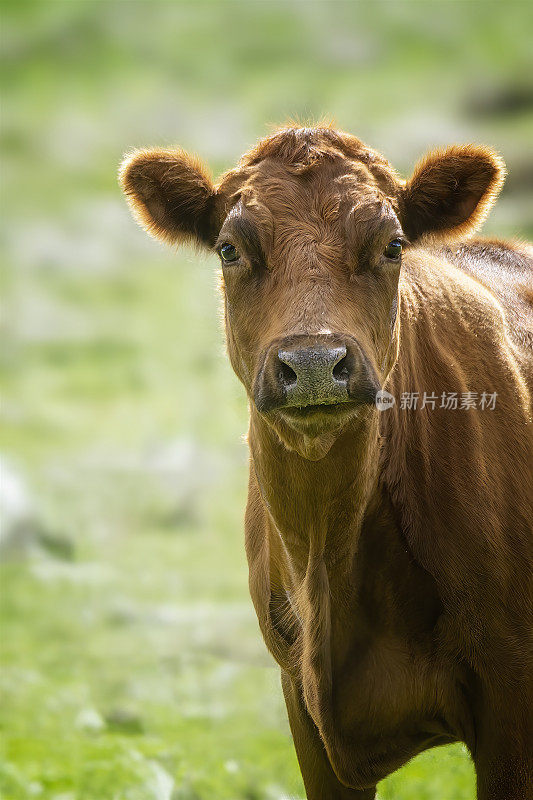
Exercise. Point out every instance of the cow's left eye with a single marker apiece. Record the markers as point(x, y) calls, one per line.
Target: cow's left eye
point(393, 249)
point(228, 253)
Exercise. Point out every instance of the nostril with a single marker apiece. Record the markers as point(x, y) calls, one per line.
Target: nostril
point(286, 375)
point(340, 370)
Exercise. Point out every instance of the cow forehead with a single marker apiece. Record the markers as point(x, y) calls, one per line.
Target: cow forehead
point(295, 164)
point(291, 189)
point(309, 213)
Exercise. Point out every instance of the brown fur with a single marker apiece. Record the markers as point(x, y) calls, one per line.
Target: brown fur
point(457, 186)
point(170, 193)
point(390, 553)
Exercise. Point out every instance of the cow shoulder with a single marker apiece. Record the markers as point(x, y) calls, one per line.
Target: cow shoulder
point(506, 269)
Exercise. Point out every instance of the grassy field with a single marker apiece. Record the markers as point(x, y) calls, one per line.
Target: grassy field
point(132, 665)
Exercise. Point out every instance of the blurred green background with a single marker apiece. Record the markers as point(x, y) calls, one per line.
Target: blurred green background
point(133, 668)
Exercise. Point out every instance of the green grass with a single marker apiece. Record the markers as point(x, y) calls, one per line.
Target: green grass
point(132, 664)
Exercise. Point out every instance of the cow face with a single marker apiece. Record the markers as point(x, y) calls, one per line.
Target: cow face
point(310, 257)
point(310, 229)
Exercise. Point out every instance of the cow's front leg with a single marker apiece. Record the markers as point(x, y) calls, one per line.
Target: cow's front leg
point(320, 781)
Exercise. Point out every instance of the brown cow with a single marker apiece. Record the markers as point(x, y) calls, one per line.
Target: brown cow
point(389, 551)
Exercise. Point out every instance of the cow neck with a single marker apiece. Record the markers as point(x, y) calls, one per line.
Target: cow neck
point(317, 509)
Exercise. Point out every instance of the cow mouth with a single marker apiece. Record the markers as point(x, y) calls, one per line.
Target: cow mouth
point(318, 418)
point(327, 409)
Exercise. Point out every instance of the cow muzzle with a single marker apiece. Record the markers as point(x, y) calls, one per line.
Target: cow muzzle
point(314, 373)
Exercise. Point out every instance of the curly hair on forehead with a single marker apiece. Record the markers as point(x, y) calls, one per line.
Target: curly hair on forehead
point(302, 147)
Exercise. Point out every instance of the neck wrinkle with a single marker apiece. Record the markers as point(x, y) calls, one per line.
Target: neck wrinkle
point(317, 510)
point(316, 507)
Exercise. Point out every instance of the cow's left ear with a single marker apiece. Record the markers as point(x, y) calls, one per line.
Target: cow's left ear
point(171, 194)
point(451, 192)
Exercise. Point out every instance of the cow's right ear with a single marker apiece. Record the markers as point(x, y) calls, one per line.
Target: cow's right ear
point(171, 195)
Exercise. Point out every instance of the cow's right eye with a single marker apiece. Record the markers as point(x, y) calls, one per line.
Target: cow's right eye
point(394, 249)
point(228, 253)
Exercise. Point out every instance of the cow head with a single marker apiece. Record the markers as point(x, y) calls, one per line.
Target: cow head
point(310, 228)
